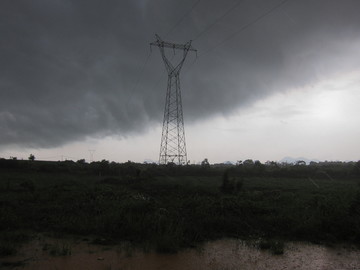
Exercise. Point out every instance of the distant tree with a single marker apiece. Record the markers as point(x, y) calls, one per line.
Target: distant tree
point(104, 165)
point(81, 161)
point(300, 163)
point(257, 163)
point(271, 163)
point(357, 165)
point(248, 162)
point(205, 163)
point(31, 157)
point(104, 161)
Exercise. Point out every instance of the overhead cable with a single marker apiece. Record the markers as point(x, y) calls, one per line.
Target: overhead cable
point(182, 18)
point(141, 72)
point(219, 19)
point(246, 26)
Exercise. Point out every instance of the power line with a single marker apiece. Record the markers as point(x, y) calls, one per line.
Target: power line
point(219, 19)
point(189, 66)
point(157, 83)
point(182, 18)
point(139, 78)
point(141, 72)
point(246, 26)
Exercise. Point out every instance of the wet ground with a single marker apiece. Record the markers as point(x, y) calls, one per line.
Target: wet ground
point(45, 253)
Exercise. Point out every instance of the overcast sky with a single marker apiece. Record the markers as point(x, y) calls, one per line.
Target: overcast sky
point(78, 75)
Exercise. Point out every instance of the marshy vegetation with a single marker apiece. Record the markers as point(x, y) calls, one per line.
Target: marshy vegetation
point(166, 208)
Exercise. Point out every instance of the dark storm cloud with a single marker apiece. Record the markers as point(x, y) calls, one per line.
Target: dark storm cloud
point(72, 69)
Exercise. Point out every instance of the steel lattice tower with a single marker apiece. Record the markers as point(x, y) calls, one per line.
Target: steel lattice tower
point(173, 146)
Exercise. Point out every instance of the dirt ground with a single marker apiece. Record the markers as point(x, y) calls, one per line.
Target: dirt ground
point(48, 253)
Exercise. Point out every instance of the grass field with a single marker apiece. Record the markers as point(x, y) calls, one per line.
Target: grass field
point(167, 213)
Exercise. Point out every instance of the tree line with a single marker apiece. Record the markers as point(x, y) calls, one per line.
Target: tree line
point(246, 168)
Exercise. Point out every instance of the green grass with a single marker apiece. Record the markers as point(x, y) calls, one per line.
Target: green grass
point(169, 212)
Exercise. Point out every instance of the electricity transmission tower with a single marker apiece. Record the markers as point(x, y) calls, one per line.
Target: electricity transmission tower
point(173, 147)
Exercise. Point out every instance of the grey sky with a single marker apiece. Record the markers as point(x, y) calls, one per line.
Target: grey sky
point(72, 69)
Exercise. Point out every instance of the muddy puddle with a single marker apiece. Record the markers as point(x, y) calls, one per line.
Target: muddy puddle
point(229, 254)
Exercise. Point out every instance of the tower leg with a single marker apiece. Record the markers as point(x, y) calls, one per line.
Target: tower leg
point(173, 146)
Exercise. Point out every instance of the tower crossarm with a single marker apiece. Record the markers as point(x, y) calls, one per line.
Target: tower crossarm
point(164, 44)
